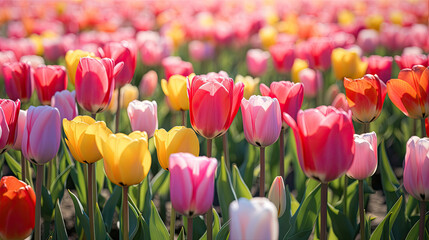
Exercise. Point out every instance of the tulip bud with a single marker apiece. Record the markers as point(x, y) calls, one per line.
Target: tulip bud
point(283, 57)
point(268, 36)
point(18, 80)
point(48, 80)
point(22, 118)
point(65, 102)
point(17, 208)
point(176, 66)
point(382, 66)
point(416, 171)
point(191, 183)
point(143, 116)
point(253, 219)
point(365, 159)
point(175, 90)
point(148, 84)
point(250, 85)
point(347, 63)
point(277, 195)
point(298, 65)
point(311, 80)
point(257, 61)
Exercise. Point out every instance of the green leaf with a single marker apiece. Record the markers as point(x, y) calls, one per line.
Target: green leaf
point(284, 221)
point(142, 230)
point(384, 228)
point(47, 205)
point(240, 187)
point(303, 220)
point(414, 232)
point(224, 231)
point(57, 188)
point(60, 228)
point(161, 183)
point(181, 234)
point(13, 165)
point(100, 228)
point(142, 195)
point(133, 219)
point(78, 176)
point(99, 176)
point(110, 207)
point(215, 226)
point(224, 186)
point(388, 179)
point(248, 166)
point(81, 216)
point(156, 226)
point(341, 225)
point(299, 176)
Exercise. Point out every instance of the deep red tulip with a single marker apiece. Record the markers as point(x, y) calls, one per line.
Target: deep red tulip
point(18, 80)
point(48, 80)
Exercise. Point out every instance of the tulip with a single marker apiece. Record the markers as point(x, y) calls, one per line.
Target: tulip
point(72, 61)
point(214, 102)
point(365, 97)
point(22, 117)
point(143, 116)
point(48, 80)
point(148, 84)
point(6, 57)
point(121, 52)
point(18, 80)
point(175, 66)
point(200, 51)
point(257, 61)
point(368, 40)
point(347, 63)
point(128, 93)
point(416, 174)
point(382, 66)
point(153, 51)
point(298, 65)
point(409, 92)
point(277, 195)
point(17, 208)
point(65, 102)
point(33, 60)
point(409, 60)
point(95, 83)
point(283, 57)
point(191, 183)
point(268, 36)
point(332, 129)
point(250, 85)
point(10, 111)
point(253, 219)
point(317, 51)
point(340, 102)
point(261, 120)
point(175, 90)
point(311, 80)
point(365, 159)
point(53, 49)
point(4, 130)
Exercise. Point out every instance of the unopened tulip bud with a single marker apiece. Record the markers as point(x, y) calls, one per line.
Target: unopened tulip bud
point(277, 195)
point(365, 159)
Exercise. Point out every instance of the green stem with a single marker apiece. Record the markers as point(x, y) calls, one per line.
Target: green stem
point(189, 235)
point(422, 220)
point(365, 127)
point(50, 169)
point(423, 127)
point(209, 219)
point(91, 202)
point(414, 129)
point(346, 182)
point(118, 111)
point(262, 172)
point(209, 147)
point(323, 211)
point(39, 180)
point(282, 153)
point(23, 168)
point(209, 213)
point(172, 222)
point(125, 213)
point(183, 118)
point(226, 149)
point(361, 211)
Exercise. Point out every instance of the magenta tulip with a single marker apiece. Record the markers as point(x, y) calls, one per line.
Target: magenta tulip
point(365, 159)
point(143, 116)
point(122, 52)
point(4, 131)
point(10, 112)
point(262, 120)
point(95, 83)
point(42, 134)
point(176, 66)
point(18, 80)
point(416, 170)
point(382, 66)
point(283, 57)
point(257, 61)
point(22, 118)
point(65, 102)
point(48, 80)
point(191, 183)
point(409, 60)
point(324, 140)
point(213, 103)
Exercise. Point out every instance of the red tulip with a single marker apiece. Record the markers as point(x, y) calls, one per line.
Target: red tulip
point(382, 66)
point(48, 80)
point(175, 66)
point(324, 141)
point(213, 103)
point(10, 111)
point(95, 83)
point(283, 57)
point(18, 80)
point(17, 208)
point(122, 52)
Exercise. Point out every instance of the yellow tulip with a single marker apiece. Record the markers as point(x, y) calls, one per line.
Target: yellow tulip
point(298, 66)
point(268, 36)
point(126, 157)
point(72, 60)
point(129, 93)
point(345, 18)
point(396, 17)
point(250, 85)
point(374, 21)
point(80, 133)
point(38, 43)
point(178, 139)
point(176, 91)
point(347, 63)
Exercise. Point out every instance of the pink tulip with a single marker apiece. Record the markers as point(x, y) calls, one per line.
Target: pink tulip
point(191, 183)
point(18, 80)
point(416, 170)
point(257, 61)
point(317, 52)
point(200, 51)
point(365, 159)
point(148, 84)
point(48, 80)
point(289, 94)
point(4, 131)
point(253, 219)
point(175, 65)
point(122, 52)
point(11, 113)
point(262, 120)
point(22, 117)
point(153, 48)
point(283, 57)
point(368, 40)
point(382, 66)
point(311, 80)
point(409, 60)
point(6, 57)
point(340, 102)
point(95, 83)
point(53, 49)
point(42, 134)
point(213, 103)
point(33, 60)
point(143, 116)
point(65, 102)
point(324, 140)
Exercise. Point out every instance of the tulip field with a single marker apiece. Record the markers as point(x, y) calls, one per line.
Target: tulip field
point(214, 120)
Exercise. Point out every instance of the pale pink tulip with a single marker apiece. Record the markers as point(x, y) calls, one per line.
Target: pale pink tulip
point(416, 169)
point(143, 116)
point(365, 159)
point(148, 84)
point(65, 102)
point(311, 80)
point(257, 61)
point(20, 129)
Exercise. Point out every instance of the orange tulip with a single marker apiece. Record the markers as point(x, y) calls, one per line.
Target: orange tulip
point(365, 97)
point(410, 91)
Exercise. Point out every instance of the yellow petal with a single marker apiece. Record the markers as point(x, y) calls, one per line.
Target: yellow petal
point(132, 169)
point(160, 137)
point(183, 140)
point(87, 143)
point(101, 136)
point(164, 86)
